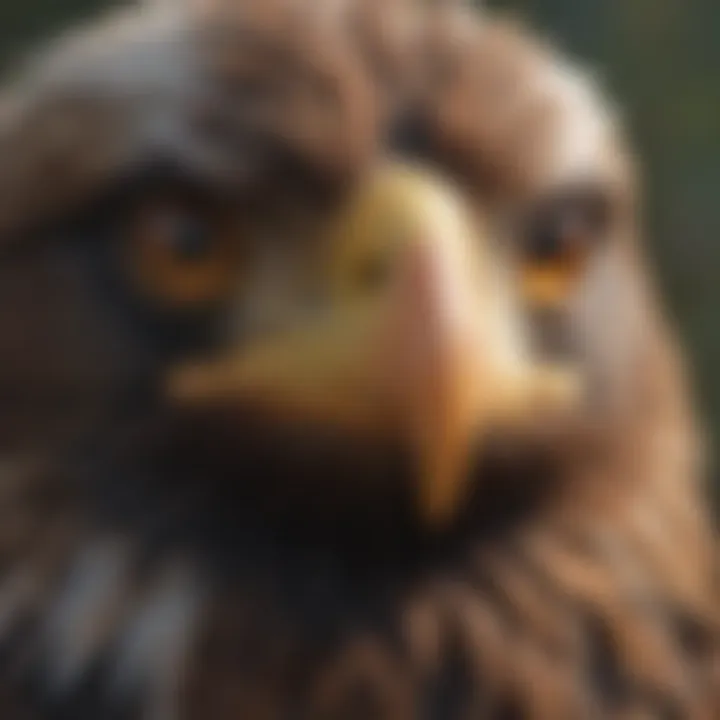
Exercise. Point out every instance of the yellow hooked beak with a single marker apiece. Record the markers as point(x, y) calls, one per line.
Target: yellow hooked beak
point(422, 341)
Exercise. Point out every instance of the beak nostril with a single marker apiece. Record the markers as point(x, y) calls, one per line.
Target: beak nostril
point(374, 273)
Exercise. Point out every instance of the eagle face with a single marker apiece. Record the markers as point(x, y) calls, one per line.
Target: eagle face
point(261, 225)
point(281, 283)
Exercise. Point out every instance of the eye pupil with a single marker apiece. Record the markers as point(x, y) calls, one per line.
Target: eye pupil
point(546, 244)
point(189, 240)
point(564, 226)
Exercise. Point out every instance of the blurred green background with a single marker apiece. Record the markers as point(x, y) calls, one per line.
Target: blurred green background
point(661, 59)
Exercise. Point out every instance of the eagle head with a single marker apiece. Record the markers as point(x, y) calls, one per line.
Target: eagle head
point(335, 315)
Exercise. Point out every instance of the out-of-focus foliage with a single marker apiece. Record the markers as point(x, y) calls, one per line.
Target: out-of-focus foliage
point(661, 58)
point(24, 23)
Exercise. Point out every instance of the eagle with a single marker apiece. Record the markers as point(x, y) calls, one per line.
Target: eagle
point(334, 380)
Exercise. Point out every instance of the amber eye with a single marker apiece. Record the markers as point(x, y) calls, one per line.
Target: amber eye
point(560, 236)
point(179, 253)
